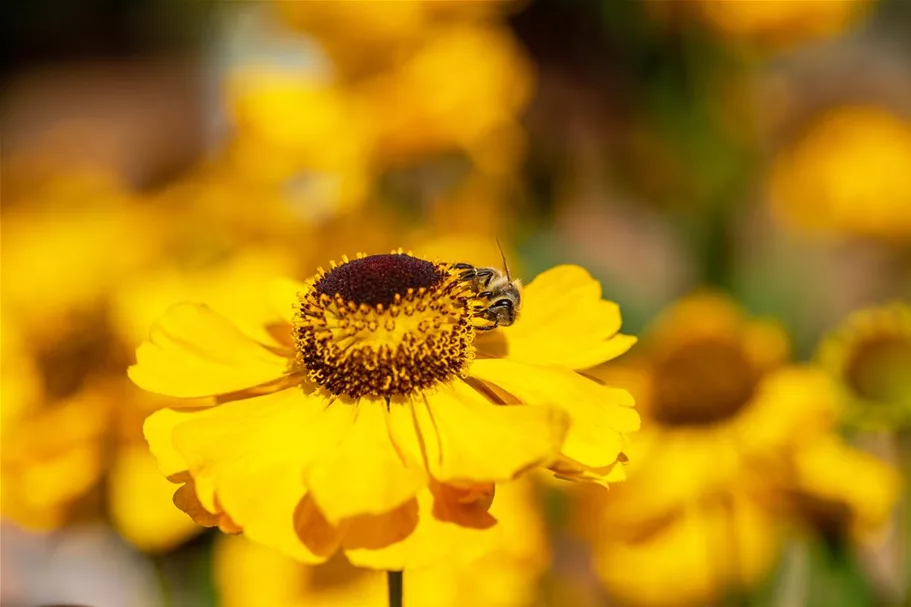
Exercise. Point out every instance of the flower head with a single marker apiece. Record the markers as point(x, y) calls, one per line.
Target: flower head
point(734, 441)
point(869, 355)
point(847, 175)
point(770, 25)
point(71, 423)
point(379, 421)
point(252, 575)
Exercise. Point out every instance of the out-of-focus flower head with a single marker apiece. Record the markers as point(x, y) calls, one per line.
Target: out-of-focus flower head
point(398, 69)
point(291, 130)
point(300, 137)
point(388, 452)
point(731, 438)
point(771, 24)
point(417, 109)
point(251, 575)
point(369, 38)
point(69, 240)
point(706, 383)
point(847, 175)
point(58, 235)
point(870, 355)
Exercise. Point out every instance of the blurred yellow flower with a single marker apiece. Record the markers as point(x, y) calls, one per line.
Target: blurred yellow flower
point(58, 235)
point(731, 438)
point(838, 489)
point(848, 175)
point(693, 557)
point(418, 109)
point(870, 354)
point(51, 459)
point(69, 430)
point(251, 575)
point(780, 22)
point(300, 135)
point(378, 425)
point(369, 37)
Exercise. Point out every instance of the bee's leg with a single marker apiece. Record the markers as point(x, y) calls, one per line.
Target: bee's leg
point(484, 275)
point(488, 327)
point(486, 294)
point(469, 272)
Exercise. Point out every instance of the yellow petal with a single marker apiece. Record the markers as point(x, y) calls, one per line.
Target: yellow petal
point(251, 454)
point(321, 537)
point(697, 556)
point(194, 352)
point(431, 541)
point(849, 480)
point(364, 473)
point(563, 321)
point(187, 502)
point(140, 503)
point(470, 439)
point(600, 416)
point(158, 430)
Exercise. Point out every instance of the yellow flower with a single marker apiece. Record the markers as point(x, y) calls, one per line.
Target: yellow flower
point(693, 557)
point(870, 355)
point(68, 440)
point(848, 175)
point(732, 438)
point(380, 425)
point(370, 37)
point(417, 109)
point(251, 575)
point(781, 22)
point(58, 236)
point(838, 489)
point(299, 135)
point(51, 459)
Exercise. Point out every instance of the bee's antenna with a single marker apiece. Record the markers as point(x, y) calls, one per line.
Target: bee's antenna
point(503, 257)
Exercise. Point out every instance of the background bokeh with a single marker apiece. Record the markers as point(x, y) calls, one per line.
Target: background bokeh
point(736, 173)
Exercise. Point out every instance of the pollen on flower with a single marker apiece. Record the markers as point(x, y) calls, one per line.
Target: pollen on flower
point(384, 326)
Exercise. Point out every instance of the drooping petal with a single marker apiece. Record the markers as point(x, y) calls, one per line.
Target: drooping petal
point(247, 457)
point(194, 352)
point(431, 540)
point(600, 416)
point(253, 454)
point(187, 502)
point(847, 482)
point(363, 473)
point(468, 438)
point(563, 321)
point(321, 537)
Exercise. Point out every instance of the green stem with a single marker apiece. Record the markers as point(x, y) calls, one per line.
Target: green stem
point(164, 583)
point(395, 588)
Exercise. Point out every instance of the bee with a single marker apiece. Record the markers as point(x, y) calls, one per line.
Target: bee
point(502, 292)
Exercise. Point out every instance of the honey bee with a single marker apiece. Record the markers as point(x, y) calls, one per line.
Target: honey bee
point(502, 292)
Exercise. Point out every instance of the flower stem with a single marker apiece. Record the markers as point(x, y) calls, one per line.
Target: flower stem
point(395, 588)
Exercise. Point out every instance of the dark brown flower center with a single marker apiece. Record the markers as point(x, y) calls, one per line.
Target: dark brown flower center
point(879, 368)
point(384, 326)
point(377, 279)
point(706, 381)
